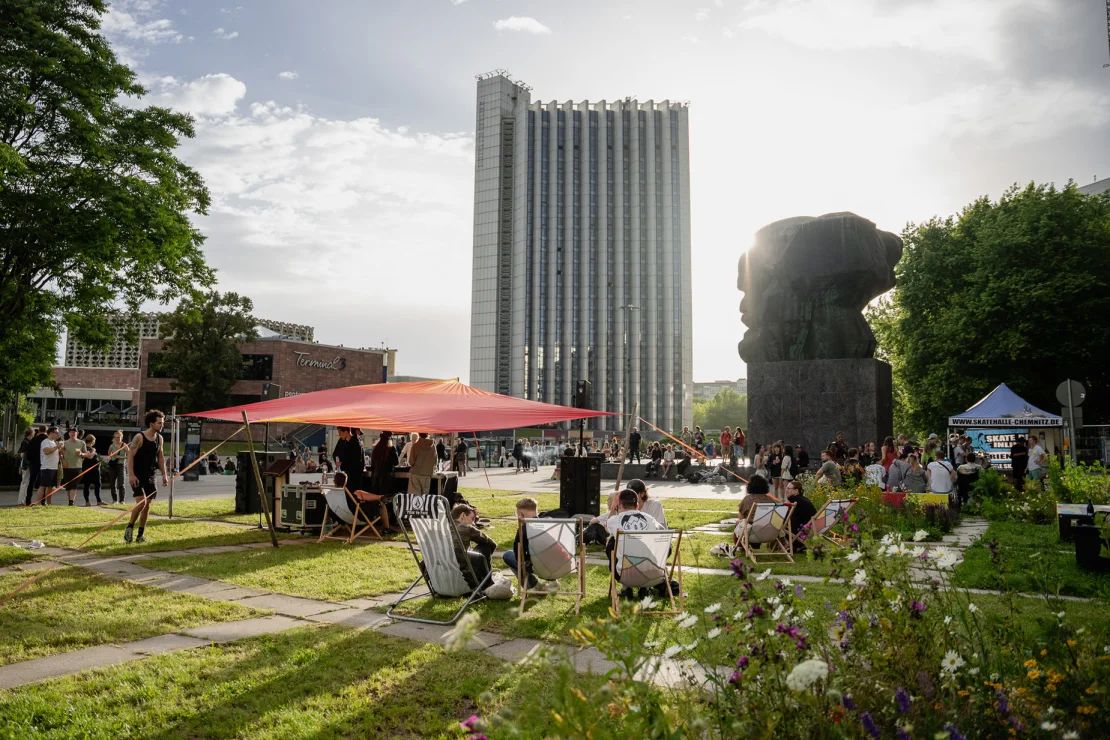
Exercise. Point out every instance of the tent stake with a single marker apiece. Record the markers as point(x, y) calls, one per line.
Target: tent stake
point(258, 482)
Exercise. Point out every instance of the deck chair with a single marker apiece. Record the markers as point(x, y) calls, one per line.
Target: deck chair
point(831, 513)
point(639, 560)
point(767, 524)
point(428, 518)
point(348, 517)
point(556, 550)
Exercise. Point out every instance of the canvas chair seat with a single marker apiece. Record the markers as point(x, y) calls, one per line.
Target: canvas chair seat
point(831, 513)
point(427, 518)
point(767, 524)
point(556, 550)
point(348, 517)
point(639, 560)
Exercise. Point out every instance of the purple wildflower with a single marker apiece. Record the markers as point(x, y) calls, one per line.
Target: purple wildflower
point(469, 722)
point(917, 608)
point(735, 677)
point(798, 590)
point(903, 700)
point(848, 703)
point(778, 585)
point(755, 611)
point(853, 527)
point(742, 661)
point(1003, 705)
point(869, 724)
point(953, 733)
point(739, 568)
point(901, 734)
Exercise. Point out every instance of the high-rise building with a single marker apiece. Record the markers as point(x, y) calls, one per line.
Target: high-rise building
point(582, 252)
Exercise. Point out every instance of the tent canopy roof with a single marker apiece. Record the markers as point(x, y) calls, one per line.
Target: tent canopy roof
point(436, 406)
point(1004, 408)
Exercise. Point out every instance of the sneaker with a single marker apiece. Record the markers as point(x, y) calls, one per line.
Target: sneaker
point(551, 587)
point(127, 535)
point(626, 593)
point(140, 539)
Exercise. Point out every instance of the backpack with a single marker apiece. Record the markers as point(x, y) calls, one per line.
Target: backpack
point(793, 466)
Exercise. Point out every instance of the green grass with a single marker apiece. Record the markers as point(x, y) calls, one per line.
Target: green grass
point(316, 682)
point(15, 555)
point(69, 526)
point(69, 608)
point(329, 570)
point(1033, 560)
point(221, 508)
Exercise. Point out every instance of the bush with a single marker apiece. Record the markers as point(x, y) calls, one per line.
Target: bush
point(10, 474)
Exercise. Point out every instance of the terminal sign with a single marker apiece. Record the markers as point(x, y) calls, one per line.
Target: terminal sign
point(303, 360)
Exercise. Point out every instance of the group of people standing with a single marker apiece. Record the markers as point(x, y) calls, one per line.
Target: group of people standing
point(373, 471)
point(47, 460)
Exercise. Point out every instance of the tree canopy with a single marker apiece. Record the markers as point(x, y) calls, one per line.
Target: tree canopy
point(1014, 291)
point(201, 347)
point(727, 409)
point(93, 203)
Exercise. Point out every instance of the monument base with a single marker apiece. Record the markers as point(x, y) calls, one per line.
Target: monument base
point(809, 401)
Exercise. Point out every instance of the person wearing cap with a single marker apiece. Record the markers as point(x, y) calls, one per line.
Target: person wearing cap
point(73, 454)
point(628, 519)
point(646, 504)
point(464, 516)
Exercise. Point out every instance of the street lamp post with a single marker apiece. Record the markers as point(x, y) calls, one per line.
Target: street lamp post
point(632, 347)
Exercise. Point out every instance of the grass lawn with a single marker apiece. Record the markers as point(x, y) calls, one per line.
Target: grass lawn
point(70, 608)
point(1032, 560)
point(316, 682)
point(329, 570)
point(69, 526)
point(221, 508)
point(15, 555)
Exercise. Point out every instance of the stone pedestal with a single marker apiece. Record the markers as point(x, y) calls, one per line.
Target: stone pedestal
point(809, 401)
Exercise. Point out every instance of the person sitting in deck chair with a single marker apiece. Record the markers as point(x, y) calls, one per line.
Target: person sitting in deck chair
point(464, 516)
point(630, 519)
point(526, 508)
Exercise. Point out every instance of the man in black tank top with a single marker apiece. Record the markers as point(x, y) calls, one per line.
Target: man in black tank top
point(144, 457)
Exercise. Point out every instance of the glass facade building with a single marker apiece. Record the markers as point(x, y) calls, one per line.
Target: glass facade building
point(582, 252)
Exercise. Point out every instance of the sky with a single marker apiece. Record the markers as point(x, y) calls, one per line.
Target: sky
point(336, 137)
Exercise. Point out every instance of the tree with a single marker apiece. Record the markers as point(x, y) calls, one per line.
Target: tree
point(201, 347)
point(93, 203)
point(1016, 291)
point(727, 408)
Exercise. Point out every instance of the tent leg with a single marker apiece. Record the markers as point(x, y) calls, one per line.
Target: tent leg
point(258, 482)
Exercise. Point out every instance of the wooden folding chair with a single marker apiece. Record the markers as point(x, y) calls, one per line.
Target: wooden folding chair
point(639, 560)
point(831, 513)
point(434, 551)
point(767, 524)
point(348, 517)
point(556, 550)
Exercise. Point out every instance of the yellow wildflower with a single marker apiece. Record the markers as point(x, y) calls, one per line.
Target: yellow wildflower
point(1034, 674)
point(1071, 643)
point(1086, 709)
point(1030, 663)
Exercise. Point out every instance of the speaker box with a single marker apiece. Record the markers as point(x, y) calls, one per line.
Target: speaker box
point(246, 490)
point(580, 485)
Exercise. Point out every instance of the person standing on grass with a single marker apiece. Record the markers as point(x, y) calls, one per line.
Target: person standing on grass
point(50, 457)
point(422, 463)
point(34, 444)
point(117, 460)
point(73, 454)
point(144, 456)
point(91, 463)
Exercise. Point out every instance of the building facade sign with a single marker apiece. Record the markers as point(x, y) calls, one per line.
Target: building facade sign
point(303, 360)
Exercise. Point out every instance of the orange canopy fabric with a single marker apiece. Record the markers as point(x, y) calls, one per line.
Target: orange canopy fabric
point(436, 406)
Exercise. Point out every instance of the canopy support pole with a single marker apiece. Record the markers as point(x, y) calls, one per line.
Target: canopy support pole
point(258, 482)
point(173, 446)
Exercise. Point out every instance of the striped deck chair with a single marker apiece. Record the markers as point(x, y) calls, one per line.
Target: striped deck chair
point(767, 524)
point(639, 560)
point(434, 551)
point(347, 517)
point(556, 550)
point(831, 513)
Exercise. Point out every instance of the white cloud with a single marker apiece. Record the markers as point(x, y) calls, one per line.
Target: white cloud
point(521, 23)
point(457, 2)
point(727, 32)
point(957, 27)
point(702, 14)
point(132, 26)
point(689, 39)
point(226, 35)
point(208, 96)
point(288, 74)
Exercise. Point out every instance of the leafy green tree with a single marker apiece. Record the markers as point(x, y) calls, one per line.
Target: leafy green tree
point(1014, 291)
point(93, 203)
point(201, 347)
point(727, 408)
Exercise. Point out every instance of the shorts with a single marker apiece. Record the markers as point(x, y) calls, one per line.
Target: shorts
point(47, 478)
point(1036, 473)
point(146, 488)
point(69, 475)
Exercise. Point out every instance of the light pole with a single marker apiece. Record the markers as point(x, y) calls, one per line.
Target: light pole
point(632, 346)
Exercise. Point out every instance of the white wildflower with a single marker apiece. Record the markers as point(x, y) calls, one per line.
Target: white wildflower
point(459, 637)
point(739, 615)
point(853, 556)
point(851, 596)
point(763, 576)
point(672, 651)
point(920, 535)
point(689, 622)
point(716, 631)
point(974, 670)
point(773, 601)
point(917, 552)
point(948, 619)
point(713, 608)
point(777, 614)
point(896, 602)
point(787, 582)
point(972, 608)
point(951, 662)
point(691, 646)
point(945, 558)
point(888, 539)
point(807, 673)
point(1071, 735)
point(1049, 726)
point(807, 614)
point(1060, 615)
point(648, 603)
point(859, 578)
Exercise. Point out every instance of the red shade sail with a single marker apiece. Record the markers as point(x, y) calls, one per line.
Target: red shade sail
point(437, 406)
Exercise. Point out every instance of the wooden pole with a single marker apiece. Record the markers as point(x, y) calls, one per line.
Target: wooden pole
point(176, 460)
point(258, 482)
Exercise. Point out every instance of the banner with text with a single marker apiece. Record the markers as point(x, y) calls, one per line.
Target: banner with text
point(995, 443)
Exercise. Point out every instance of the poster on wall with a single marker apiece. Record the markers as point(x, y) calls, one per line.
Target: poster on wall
point(995, 443)
point(192, 448)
